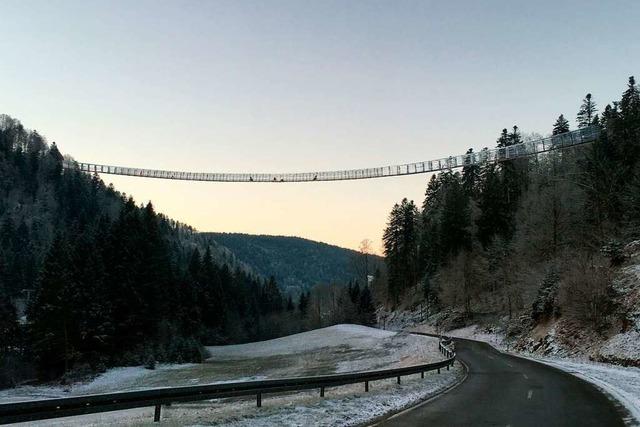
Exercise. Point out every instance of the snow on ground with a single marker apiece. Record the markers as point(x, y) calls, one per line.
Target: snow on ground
point(355, 335)
point(340, 348)
point(342, 406)
point(474, 332)
point(115, 379)
point(625, 346)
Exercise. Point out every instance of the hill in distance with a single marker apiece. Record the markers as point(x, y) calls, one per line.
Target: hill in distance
point(296, 263)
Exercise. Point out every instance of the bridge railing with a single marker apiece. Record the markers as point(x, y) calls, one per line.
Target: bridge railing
point(69, 406)
point(524, 149)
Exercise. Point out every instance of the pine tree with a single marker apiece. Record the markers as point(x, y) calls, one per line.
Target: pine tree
point(628, 131)
point(392, 240)
point(588, 113)
point(561, 125)
point(9, 327)
point(366, 308)
point(630, 103)
point(303, 303)
point(51, 316)
point(354, 292)
point(494, 215)
point(504, 140)
point(470, 174)
point(514, 137)
point(456, 216)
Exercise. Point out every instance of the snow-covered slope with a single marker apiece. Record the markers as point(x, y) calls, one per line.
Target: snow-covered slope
point(339, 348)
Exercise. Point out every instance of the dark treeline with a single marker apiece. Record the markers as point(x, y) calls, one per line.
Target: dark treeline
point(532, 235)
point(89, 279)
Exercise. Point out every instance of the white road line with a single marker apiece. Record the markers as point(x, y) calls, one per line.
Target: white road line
point(525, 376)
point(509, 365)
point(529, 394)
point(490, 357)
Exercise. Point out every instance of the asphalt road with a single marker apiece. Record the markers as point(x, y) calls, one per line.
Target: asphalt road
point(503, 390)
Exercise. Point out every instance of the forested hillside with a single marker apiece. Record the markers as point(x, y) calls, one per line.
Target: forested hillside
point(89, 279)
point(530, 244)
point(106, 281)
point(297, 264)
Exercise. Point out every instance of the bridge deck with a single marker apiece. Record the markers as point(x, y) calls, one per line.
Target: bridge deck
point(577, 137)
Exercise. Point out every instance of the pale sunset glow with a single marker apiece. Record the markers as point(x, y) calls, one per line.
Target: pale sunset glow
point(290, 86)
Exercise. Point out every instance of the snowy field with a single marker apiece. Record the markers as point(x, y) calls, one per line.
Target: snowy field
point(340, 348)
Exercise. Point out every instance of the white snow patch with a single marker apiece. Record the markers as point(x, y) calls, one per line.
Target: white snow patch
point(474, 332)
point(622, 346)
point(352, 335)
point(342, 406)
point(339, 348)
point(114, 379)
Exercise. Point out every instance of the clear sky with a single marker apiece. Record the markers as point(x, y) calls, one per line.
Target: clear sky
point(278, 86)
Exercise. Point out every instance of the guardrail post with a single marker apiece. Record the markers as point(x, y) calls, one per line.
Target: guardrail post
point(259, 400)
point(438, 370)
point(398, 379)
point(422, 374)
point(156, 414)
point(321, 391)
point(447, 366)
point(366, 386)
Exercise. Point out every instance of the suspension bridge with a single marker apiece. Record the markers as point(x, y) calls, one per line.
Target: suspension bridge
point(524, 149)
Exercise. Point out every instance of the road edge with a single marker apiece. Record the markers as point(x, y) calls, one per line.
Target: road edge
point(381, 419)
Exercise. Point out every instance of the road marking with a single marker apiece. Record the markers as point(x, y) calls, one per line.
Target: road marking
point(437, 395)
point(525, 376)
point(529, 394)
point(490, 357)
point(509, 365)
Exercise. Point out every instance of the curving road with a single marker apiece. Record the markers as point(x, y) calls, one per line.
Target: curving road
point(504, 390)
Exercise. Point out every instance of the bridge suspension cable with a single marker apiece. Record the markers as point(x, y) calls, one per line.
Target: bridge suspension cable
point(529, 148)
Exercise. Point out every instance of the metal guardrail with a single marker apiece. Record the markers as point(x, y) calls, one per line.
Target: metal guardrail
point(69, 406)
point(525, 149)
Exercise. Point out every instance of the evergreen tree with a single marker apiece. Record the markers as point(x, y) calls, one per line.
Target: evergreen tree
point(51, 316)
point(354, 292)
point(514, 137)
point(627, 131)
point(561, 125)
point(504, 140)
point(9, 327)
point(493, 218)
point(588, 113)
point(400, 241)
point(456, 216)
point(366, 308)
point(303, 303)
point(470, 174)
point(630, 104)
